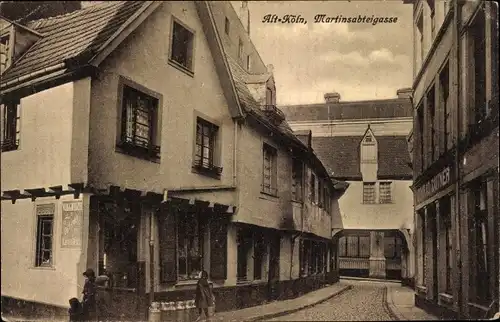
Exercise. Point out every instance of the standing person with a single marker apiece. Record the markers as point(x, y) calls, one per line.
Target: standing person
point(75, 310)
point(89, 296)
point(204, 295)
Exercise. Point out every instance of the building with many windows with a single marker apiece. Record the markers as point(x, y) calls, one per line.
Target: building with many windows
point(364, 143)
point(137, 140)
point(455, 157)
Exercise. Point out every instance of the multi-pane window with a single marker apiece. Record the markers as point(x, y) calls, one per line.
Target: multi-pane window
point(313, 256)
point(312, 187)
point(139, 119)
point(385, 192)
point(270, 170)
point(478, 63)
point(182, 46)
point(326, 199)
point(369, 192)
point(206, 138)
point(354, 246)
point(189, 246)
point(227, 25)
point(433, 147)
point(445, 92)
point(44, 235)
point(297, 177)
point(421, 146)
point(4, 52)
point(479, 236)
point(259, 250)
point(10, 125)
point(392, 247)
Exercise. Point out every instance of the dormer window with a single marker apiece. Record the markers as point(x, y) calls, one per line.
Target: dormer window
point(368, 139)
point(269, 96)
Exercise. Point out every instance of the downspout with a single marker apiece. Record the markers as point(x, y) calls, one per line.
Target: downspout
point(456, 28)
point(152, 270)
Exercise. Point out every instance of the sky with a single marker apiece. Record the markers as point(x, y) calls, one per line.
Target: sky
point(360, 61)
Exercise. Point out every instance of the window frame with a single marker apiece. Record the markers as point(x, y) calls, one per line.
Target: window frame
point(214, 168)
point(153, 152)
point(370, 184)
point(272, 189)
point(259, 254)
point(389, 199)
point(11, 131)
point(189, 67)
point(344, 252)
point(430, 105)
point(44, 211)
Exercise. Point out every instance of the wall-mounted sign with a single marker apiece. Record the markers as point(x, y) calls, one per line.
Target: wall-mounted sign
point(72, 224)
point(439, 181)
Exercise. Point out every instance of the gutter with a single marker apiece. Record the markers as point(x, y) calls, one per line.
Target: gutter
point(8, 85)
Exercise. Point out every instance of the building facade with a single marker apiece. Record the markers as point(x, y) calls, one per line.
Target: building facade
point(455, 157)
point(364, 143)
point(137, 143)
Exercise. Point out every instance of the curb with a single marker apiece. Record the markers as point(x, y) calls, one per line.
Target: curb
point(363, 279)
point(282, 313)
point(390, 308)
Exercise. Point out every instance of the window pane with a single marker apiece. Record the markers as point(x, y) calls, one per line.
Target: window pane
point(47, 227)
point(385, 192)
point(368, 192)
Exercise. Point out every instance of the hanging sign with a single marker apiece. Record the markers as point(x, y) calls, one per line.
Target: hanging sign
point(72, 224)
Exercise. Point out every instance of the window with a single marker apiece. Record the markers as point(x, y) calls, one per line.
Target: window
point(477, 71)
point(182, 46)
point(240, 49)
point(269, 96)
point(354, 246)
point(258, 255)
point(270, 170)
point(369, 192)
point(4, 52)
point(10, 125)
point(368, 138)
point(312, 187)
point(392, 247)
point(421, 136)
point(445, 92)
point(385, 192)
point(312, 257)
point(479, 232)
point(44, 235)
point(139, 122)
point(297, 178)
point(445, 209)
point(227, 25)
point(189, 246)
point(433, 148)
point(420, 28)
point(248, 63)
point(244, 246)
point(206, 140)
point(423, 247)
point(368, 149)
point(321, 193)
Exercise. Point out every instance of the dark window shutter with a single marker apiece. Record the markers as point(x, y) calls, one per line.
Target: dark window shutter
point(218, 248)
point(168, 247)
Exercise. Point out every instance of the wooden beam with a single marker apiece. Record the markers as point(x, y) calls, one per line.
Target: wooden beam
point(132, 194)
point(56, 190)
point(36, 193)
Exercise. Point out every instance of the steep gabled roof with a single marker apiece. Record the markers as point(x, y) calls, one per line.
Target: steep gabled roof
point(76, 34)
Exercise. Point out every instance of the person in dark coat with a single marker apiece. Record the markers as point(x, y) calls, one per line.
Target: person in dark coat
point(204, 296)
point(75, 310)
point(89, 296)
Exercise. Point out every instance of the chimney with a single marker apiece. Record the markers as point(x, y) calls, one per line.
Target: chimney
point(332, 97)
point(405, 93)
point(245, 16)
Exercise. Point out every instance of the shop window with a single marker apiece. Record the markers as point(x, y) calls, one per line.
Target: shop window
point(392, 247)
point(445, 209)
point(44, 235)
point(368, 192)
point(244, 247)
point(354, 246)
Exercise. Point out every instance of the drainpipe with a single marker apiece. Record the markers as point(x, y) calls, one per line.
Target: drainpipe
point(456, 28)
point(152, 269)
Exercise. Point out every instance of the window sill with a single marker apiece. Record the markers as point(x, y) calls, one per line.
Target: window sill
point(212, 172)
point(268, 194)
point(10, 146)
point(138, 152)
point(44, 268)
point(180, 67)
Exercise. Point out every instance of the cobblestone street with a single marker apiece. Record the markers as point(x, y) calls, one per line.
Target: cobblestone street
point(364, 302)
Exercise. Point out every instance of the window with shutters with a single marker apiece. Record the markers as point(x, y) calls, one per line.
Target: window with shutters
point(385, 195)
point(11, 125)
point(354, 246)
point(297, 177)
point(206, 152)
point(139, 124)
point(270, 170)
point(189, 246)
point(181, 53)
point(44, 235)
point(368, 192)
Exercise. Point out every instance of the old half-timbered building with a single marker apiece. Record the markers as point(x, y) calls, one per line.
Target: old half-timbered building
point(135, 141)
point(455, 157)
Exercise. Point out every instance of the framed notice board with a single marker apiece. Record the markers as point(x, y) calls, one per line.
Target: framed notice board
point(72, 224)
